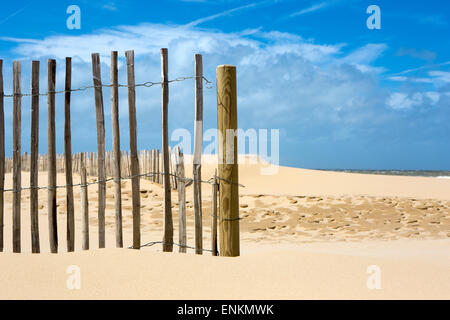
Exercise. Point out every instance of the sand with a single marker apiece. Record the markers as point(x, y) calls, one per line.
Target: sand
point(305, 234)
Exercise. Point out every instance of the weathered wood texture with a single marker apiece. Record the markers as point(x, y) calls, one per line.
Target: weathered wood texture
point(133, 151)
point(52, 214)
point(179, 158)
point(197, 163)
point(34, 153)
point(214, 215)
point(68, 159)
point(228, 166)
point(116, 148)
point(100, 117)
point(168, 222)
point(17, 154)
point(84, 205)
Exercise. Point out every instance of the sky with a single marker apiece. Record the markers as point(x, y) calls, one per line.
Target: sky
point(341, 94)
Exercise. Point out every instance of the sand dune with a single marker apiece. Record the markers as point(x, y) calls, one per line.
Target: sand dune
point(304, 233)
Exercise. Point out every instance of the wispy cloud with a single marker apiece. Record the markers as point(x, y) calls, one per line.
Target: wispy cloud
point(363, 57)
point(225, 13)
point(423, 55)
point(421, 75)
point(110, 6)
point(15, 12)
point(435, 77)
point(310, 9)
point(440, 76)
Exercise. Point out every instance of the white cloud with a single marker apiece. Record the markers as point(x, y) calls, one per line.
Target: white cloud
point(434, 77)
point(440, 75)
point(398, 78)
point(368, 53)
point(399, 100)
point(286, 82)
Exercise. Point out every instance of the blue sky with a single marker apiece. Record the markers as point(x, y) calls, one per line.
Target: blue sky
point(343, 96)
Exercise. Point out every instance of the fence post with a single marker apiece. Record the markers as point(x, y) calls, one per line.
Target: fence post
point(214, 215)
point(136, 196)
point(168, 223)
point(116, 148)
point(100, 117)
point(2, 155)
point(17, 155)
point(68, 159)
point(84, 204)
point(228, 166)
point(179, 159)
point(52, 214)
point(34, 152)
point(197, 162)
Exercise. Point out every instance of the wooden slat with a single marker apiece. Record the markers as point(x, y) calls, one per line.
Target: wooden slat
point(171, 177)
point(116, 148)
point(179, 159)
point(158, 167)
point(84, 205)
point(34, 152)
point(136, 197)
point(214, 215)
point(197, 163)
point(52, 214)
point(17, 155)
point(2, 156)
point(168, 222)
point(153, 167)
point(228, 166)
point(68, 160)
point(100, 117)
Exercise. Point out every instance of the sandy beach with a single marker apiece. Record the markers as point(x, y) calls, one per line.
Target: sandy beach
point(305, 234)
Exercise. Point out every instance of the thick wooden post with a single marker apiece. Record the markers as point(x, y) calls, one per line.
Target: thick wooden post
point(228, 165)
point(197, 163)
point(68, 159)
point(34, 152)
point(84, 204)
point(136, 197)
point(100, 117)
point(17, 155)
point(52, 214)
point(116, 148)
point(181, 199)
point(168, 222)
point(214, 215)
point(2, 155)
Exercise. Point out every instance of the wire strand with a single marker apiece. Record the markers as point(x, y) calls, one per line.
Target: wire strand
point(147, 174)
point(152, 243)
point(148, 84)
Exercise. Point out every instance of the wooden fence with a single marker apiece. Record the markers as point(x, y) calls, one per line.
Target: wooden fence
point(165, 167)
